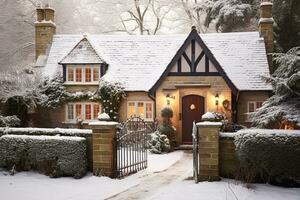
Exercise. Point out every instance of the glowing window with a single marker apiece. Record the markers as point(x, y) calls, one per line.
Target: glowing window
point(88, 74)
point(96, 74)
point(149, 111)
point(131, 109)
point(96, 111)
point(78, 74)
point(78, 111)
point(88, 111)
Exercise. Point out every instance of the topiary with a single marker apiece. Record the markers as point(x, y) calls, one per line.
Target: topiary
point(166, 113)
point(166, 128)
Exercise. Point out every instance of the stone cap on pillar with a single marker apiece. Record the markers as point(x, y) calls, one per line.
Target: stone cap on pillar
point(209, 124)
point(103, 124)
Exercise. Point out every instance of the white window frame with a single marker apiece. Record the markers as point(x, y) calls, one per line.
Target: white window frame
point(255, 108)
point(82, 67)
point(144, 109)
point(82, 111)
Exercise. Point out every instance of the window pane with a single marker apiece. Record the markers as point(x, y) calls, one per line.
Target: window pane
point(88, 74)
point(78, 75)
point(70, 111)
point(78, 111)
point(251, 107)
point(131, 110)
point(70, 74)
point(96, 74)
point(148, 110)
point(96, 110)
point(88, 110)
point(140, 110)
point(258, 104)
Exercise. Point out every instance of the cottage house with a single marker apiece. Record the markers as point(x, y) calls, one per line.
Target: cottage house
point(192, 74)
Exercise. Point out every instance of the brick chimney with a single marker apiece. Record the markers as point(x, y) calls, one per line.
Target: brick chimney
point(265, 27)
point(45, 28)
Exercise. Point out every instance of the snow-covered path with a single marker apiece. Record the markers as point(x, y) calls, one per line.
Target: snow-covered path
point(152, 183)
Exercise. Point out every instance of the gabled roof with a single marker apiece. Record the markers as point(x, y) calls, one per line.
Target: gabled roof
point(139, 61)
point(82, 53)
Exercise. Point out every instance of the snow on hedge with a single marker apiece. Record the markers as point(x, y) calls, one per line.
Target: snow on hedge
point(52, 155)
point(269, 155)
point(44, 131)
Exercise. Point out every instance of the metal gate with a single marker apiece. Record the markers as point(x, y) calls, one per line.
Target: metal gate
point(195, 152)
point(130, 147)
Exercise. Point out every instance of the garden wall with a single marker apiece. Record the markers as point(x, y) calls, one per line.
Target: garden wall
point(228, 160)
point(86, 133)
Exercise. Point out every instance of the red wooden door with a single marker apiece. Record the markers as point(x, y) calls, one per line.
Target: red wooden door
point(192, 110)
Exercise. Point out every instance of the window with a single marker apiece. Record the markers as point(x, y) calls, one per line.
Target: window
point(78, 111)
point(141, 109)
point(83, 74)
point(78, 74)
point(70, 112)
point(96, 74)
point(82, 111)
point(88, 74)
point(88, 111)
point(96, 111)
point(254, 105)
point(70, 74)
point(149, 111)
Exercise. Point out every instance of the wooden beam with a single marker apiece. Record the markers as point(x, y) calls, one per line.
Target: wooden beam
point(179, 64)
point(206, 64)
point(198, 60)
point(187, 60)
point(193, 56)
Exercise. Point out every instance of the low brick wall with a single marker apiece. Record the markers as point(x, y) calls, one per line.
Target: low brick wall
point(228, 160)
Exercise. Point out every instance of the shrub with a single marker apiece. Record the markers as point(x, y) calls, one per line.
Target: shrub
point(9, 121)
point(166, 128)
point(166, 113)
point(52, 155)
point(213, 117)
point(159, 143)
point(269, 156)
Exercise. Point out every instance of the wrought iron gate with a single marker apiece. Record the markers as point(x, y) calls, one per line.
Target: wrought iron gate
point(195, 152)
point(130, 147)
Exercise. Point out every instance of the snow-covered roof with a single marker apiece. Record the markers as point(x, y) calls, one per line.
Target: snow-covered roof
point(139, 61)
point(82, 53)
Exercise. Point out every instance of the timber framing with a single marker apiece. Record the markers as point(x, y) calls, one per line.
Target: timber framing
point(192, 39)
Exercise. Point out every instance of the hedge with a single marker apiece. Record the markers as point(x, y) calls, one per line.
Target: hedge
point(271, 156)
point(45, 131)
point(52, 155)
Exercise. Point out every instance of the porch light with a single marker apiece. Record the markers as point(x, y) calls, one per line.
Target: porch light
point(217, 99)
point(169, 97)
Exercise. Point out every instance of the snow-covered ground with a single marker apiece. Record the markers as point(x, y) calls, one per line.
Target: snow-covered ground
point(35, 186)
point(165, 178)
point(224, 190)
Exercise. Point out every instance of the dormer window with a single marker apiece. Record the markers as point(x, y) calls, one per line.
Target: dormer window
point(82, 74)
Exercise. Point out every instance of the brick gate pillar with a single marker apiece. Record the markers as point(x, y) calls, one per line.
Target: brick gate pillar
point(209, 150)
point(103, 152)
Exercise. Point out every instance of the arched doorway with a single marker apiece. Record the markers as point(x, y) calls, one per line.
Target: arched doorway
point(192, 110)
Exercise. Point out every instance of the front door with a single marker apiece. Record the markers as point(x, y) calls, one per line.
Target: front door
point(192, 110)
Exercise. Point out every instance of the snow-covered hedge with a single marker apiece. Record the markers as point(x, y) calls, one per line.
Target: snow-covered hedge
point(45, 131)
point(52, 155)
point(269, 155)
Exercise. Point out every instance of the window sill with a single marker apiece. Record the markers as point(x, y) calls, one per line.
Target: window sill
point(91, 84)
point(84, 122)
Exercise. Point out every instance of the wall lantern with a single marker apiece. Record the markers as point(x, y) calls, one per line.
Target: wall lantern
point(217, 99)
point(169, 97)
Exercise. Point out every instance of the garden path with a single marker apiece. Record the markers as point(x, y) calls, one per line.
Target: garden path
point(152, 183)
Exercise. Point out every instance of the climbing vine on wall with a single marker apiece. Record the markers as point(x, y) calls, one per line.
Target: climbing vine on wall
point(111, 95)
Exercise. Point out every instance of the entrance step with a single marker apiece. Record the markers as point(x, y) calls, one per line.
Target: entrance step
point(184, 147)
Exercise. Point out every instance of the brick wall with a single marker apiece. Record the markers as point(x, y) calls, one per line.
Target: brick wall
point(228, 160)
